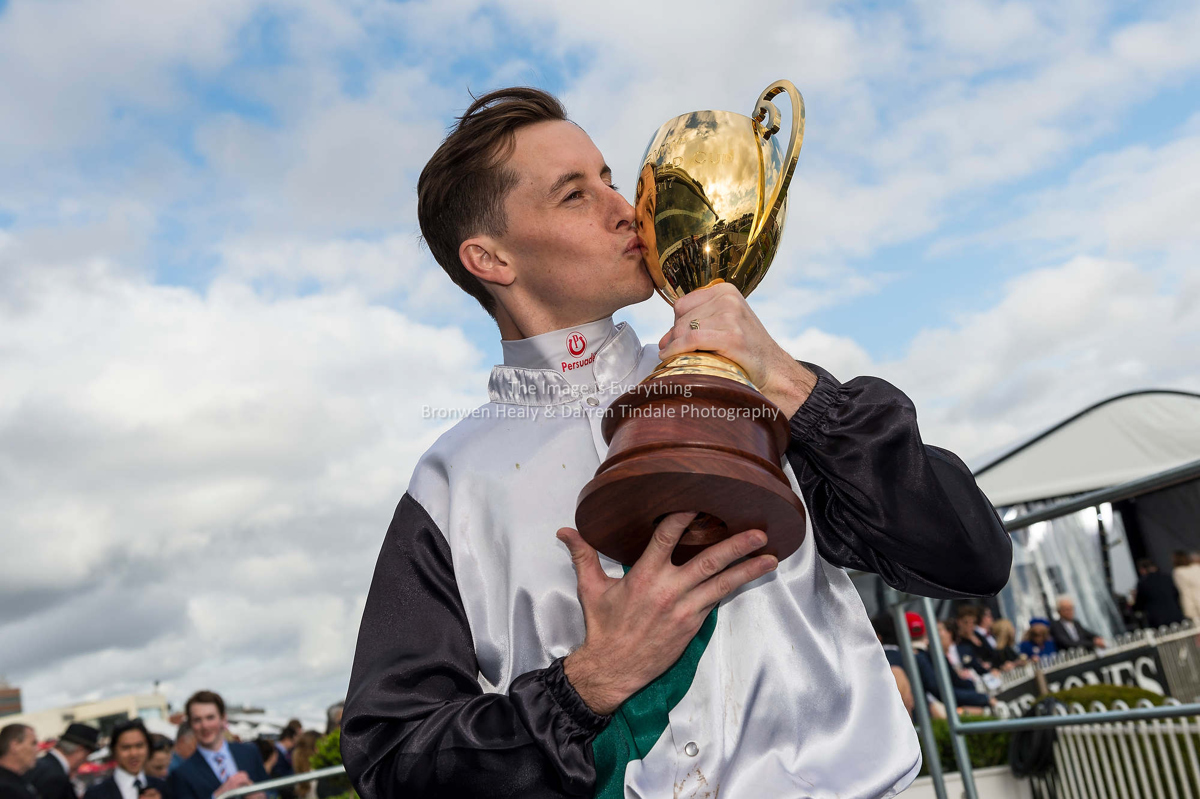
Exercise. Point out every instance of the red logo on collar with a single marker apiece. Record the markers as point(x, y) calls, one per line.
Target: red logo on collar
point(576, 344)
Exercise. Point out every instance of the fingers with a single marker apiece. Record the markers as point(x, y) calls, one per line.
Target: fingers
point(588, 571)
point(665, 537)
point(716, 588)
point(716, 558)
point(696, 341)
point(694, 299)
point(706, 318)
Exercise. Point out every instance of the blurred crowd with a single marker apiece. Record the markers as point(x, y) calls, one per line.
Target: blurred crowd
point(204, 760)
point(979, 647)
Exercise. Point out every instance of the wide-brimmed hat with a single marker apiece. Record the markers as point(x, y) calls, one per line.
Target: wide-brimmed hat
point(1036, 620)
point(82, 734)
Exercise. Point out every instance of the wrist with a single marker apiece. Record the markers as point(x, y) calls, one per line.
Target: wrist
point(789, 386)
point(596, 685)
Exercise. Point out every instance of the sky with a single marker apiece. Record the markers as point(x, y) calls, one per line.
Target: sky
point(219, 328)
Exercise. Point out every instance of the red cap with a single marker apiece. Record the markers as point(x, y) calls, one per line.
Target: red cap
point(916, 625)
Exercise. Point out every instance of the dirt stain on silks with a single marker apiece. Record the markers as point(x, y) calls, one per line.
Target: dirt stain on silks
point(695, 786)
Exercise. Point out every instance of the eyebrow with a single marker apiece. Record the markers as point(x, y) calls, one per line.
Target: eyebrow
point(606, 171)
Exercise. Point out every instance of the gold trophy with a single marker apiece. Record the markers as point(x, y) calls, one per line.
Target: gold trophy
point(696, 435)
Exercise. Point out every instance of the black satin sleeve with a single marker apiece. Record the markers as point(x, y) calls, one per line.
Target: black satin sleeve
point(883, 501)
point(416, 721)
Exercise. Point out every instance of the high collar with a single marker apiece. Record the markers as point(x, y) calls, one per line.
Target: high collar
point(565, 351)
point(563, 365)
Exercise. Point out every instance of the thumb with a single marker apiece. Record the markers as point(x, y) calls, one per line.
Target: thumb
point(588, 570)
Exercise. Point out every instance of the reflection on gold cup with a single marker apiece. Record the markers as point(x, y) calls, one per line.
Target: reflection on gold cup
point(711, 202)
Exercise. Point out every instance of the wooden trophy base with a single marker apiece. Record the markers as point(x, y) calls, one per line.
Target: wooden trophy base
point(691, 442)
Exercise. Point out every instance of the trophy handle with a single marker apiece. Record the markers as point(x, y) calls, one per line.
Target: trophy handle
point(766, 124)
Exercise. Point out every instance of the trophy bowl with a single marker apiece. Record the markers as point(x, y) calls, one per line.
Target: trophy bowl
point(697, 435)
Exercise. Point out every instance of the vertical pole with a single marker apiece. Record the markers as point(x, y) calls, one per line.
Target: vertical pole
point(920, 703)
point(1105, 556)
point(942, 669)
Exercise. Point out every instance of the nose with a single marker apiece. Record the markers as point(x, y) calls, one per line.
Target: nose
point(623, 213)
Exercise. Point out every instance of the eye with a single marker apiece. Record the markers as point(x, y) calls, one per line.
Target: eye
point(613, 186)
point(573, 195)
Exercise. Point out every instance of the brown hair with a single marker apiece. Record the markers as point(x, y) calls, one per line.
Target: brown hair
point(306, 747)
point(968, 610)
point(462, 188)
point(204, 698)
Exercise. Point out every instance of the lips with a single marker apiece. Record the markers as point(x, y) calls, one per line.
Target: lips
point(635, 245)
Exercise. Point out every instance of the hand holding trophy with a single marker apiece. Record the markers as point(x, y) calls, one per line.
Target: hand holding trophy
point(697, 435)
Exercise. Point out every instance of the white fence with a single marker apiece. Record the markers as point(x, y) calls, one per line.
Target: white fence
point(1154, 759)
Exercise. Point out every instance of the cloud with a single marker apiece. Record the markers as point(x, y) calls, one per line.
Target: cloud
point(211, 471)
point(1058, 339)
point(1132, 201)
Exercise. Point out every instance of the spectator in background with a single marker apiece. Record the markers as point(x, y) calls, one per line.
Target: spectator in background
point(302, 752)
point(217, 765)
point(268, 752)
point(1007, 654)
point(1038, 643)
point(159, 763)
point(185, 746)
point(1068, 633)
point(1186, 575)
point(270, 756)
point(966, 696)
point(984, 628)
point(54, 770)
point(130, 747)
point(282, 766)
point(1156, 596)
point(18, 754)
point(287, 740)
point(973, 652)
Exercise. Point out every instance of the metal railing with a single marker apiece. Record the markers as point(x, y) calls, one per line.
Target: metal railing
point(1087, 721)
point(283, 782)
point(1123, 760)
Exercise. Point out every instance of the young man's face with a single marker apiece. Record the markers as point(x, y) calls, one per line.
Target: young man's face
point(570, 237)
point(208, 724)
point(130, 751)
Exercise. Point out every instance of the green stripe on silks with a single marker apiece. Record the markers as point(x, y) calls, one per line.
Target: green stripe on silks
point(640, 722)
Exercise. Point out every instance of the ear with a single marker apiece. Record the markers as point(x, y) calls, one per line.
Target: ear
point(482, 257)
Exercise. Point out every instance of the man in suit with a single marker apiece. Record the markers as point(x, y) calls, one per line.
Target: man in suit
point(1070, 634)
point(217, 765)
point(1156, 595)
point(54, 770)
point(130, 746)
point(283, 763)
point(18, 753)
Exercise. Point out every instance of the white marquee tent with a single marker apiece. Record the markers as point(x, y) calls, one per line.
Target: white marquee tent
point(1114, 441)
point(1089, 555)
